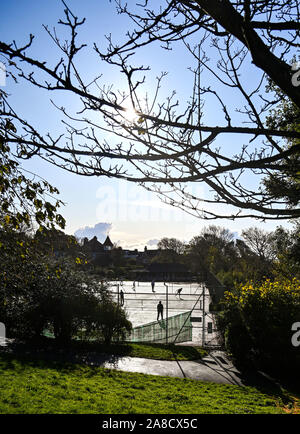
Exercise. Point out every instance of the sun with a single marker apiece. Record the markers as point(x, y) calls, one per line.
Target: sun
point(130, 114)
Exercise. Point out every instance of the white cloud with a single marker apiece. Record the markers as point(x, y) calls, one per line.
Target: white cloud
point(152, 242)
point(100, 230)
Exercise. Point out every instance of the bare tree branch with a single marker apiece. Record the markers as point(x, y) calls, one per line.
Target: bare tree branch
point(167, 145)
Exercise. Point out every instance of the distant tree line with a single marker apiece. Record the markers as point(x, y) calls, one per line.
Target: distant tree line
point(255, 256)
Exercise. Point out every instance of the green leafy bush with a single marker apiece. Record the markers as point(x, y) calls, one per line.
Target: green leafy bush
point(39, 292)
point(110, 322)
point(256, 323)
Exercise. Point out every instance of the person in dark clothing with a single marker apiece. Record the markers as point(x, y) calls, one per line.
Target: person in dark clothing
point(160, 310)
point(152, 285)
point(122, 297)
point(178, 292)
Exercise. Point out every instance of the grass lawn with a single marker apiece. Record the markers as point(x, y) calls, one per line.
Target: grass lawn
point(145, 350)
point(29, 386)
point(149, 351)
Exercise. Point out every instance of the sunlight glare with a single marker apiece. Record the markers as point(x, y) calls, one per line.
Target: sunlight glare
point(130, 114)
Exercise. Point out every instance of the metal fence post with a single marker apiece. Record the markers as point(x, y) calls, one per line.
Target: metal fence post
point(203, 319)
point(167, 311)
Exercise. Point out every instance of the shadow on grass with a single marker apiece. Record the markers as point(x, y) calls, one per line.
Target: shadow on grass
point(47, 353)
point(179, 352)
point(78, 355)
point(93, 353)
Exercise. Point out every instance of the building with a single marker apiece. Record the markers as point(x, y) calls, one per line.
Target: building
point(93, 246)
point(107, 245)
point(147, 255)
point(131, 254)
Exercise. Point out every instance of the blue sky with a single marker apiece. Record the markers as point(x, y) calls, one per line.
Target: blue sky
point(130, 214)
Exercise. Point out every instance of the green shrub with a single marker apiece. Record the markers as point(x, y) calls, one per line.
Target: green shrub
point(110, 322)
point(256, 323)
point(39, 292)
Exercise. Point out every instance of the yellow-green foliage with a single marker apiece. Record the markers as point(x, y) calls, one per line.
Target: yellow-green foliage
point(268, 293)
point(259, 319)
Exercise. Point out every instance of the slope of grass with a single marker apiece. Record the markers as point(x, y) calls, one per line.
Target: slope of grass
point(152, 351)
point(50, 387)
point(144, 350)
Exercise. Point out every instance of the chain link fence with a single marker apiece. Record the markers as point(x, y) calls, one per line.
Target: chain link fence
point(178, 326)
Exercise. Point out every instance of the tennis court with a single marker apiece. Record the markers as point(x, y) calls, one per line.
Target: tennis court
point(187, 313)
